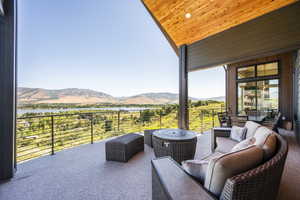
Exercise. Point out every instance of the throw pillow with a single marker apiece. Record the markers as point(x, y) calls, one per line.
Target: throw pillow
point(238, 133)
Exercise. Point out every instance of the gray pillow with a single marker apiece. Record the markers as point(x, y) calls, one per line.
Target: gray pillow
point(238, 133)
point(196, 168)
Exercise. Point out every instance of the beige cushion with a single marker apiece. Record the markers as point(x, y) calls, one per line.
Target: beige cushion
point(266, 139)
point(225, 144)
point(229, 165)
point(197, 168)
point(243, 144)
point(238, 133)
point(251, 128)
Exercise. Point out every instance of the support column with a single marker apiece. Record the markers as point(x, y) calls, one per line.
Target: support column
point(226, 87)
point(296, 95)
point(7, 89)
point(183, 112)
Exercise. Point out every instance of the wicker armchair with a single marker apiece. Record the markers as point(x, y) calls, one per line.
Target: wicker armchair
point(224, 119)
point(169, 181)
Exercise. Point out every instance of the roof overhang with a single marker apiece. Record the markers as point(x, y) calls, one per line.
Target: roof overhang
point(189, 21)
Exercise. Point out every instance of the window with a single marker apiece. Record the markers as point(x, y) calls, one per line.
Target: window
point(246, 72)
point(267, 69)
point(258, 88)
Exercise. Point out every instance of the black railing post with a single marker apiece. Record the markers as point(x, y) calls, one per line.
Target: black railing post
point(141, 121)
point(119, 120)
point(213, 116)
point(160, 119)
point(92, 129)
point(201, 121)
point(52, 135)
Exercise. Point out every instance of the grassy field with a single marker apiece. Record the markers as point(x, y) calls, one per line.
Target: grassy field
point(42, 135)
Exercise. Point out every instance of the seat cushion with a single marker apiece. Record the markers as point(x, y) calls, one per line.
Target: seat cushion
point(251, 128)
point(266, 139)
point(226, 166)
point(225, 144)
point(197, 168)
point(238, 133)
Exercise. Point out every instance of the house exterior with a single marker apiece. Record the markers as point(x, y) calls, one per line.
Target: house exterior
point(257, 41)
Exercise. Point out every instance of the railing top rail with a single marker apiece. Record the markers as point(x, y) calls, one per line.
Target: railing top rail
point(81, 113)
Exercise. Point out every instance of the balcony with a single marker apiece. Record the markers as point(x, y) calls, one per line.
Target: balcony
point(83, 173)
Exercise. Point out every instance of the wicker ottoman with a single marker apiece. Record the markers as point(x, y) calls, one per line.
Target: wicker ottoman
point(125, 147)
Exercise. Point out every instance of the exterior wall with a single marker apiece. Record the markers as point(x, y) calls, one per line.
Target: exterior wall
point(271, 34)
point(285, 82)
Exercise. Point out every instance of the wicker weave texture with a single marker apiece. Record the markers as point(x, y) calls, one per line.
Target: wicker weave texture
point(178, 150)
point(261, 182)
point(123, 148)
point(148, 136)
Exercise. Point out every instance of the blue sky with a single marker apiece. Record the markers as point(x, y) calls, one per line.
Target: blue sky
point(110, 46)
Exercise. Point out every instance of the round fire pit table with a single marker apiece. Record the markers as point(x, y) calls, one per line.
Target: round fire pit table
point(178, 143)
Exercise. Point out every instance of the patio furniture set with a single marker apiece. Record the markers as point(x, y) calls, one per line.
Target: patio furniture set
point(177, 143)
point(249, 166)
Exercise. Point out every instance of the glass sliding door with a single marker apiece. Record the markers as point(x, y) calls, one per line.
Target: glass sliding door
point(267, 95)
point(258, 88)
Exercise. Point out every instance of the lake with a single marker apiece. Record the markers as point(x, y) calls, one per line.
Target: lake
point(24, 111)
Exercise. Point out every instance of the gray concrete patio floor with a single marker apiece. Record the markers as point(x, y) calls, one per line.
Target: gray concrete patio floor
point(82, 173)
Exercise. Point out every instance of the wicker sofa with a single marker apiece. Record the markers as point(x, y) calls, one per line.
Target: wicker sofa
point(170, 181)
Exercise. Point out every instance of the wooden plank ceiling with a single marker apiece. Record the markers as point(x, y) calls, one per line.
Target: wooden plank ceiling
point(208, 17)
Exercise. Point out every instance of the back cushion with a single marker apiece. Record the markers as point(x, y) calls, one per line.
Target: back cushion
point(229, 165)
point(243, 144)
point(251, 128)
point(266, 139)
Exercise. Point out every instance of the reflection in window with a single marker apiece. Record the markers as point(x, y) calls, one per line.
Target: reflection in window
point(267, 95)
point(246, 72)
point(259, 96)
point(246, 97)
point(267, 69)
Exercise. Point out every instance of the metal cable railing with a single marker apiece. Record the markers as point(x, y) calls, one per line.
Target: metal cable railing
point(46, 134)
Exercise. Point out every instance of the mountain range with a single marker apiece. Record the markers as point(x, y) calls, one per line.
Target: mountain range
point(86, 96)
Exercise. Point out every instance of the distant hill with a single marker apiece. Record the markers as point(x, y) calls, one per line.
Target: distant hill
point(86, 96)
point(220, 98)
point(71, 95)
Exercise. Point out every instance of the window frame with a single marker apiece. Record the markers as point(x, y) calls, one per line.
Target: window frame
point(256, 79)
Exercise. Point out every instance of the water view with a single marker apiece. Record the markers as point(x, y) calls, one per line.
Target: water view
point(58, 110)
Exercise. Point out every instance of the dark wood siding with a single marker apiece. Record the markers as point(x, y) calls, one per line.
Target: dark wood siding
point(286, 82)
point(270, 34)
point(7, 90)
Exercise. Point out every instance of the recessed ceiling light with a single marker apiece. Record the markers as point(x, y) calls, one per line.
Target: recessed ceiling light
point(188, 15)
